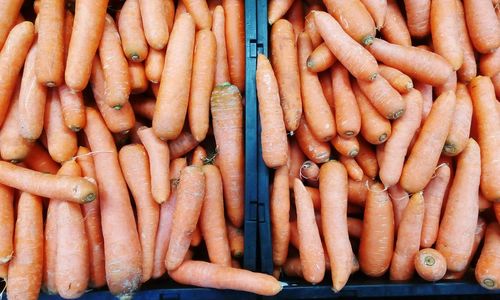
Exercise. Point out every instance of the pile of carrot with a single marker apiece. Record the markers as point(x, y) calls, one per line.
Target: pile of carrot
point(104, 102)
point(381, 122)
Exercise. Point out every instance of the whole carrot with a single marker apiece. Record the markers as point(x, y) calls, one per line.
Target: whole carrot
point(395, 30)
point(235, 41)
point(218, 28)
point(468, 69)
point(280, 214)
point(347, 114)
point(154, 65)
point(131, 30)
point(397, 79)
point(430, 264)
point(155, 21)
point(7, 219)
point(378, 11)
point(418, 13)
point(383, 97)
point(315, 150)
point(277, 9)
point(88, 27)
point(488, 266)
point(73, 108)
point(482, 24)
point(461, 123)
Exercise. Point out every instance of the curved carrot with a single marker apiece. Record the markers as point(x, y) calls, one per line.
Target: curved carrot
point(315, 150)
point(418, 13)
point(235, 40)
point(468, 69)
point(276, 9)
point(154, 65)
point(320, 59)
point(280, 214)
point(73, 108)
point(347, 113)
point(395, 30)
point(7, 221)
point(397, 79)
point(461, 123)
point(134, 42)
point(424, 156)
point(155, 21)
point(173, 96)
point(456, 231)
point(482, 24)
point(354, 171)
point(285, 64)
point(184, 143)
point(218, 28)
point(295, 16)
point(312, 30)
point(377, 238)
point(488, 266)
point(430, 264)
point(386, 100)
point(137, 80)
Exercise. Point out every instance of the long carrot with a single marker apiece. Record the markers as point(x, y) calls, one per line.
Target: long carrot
point(395, 30)
point(131, 30)
point(154, 65)
point(333, 190)
point(280, 214)
point(487, 116)
point(468, 69)
point(235, 40)
point(286, 67)
point(488, 266)
point(418, 13)
point(347, 113)
point(218, 28)
point(7, 219)
point(122, 251)
point(430, 264)
point(378, 11)
point(377, 238)
point(398, 80)
point(461, 123)
point(25, 269)
point(483, 25)
point(424, 156)
point(173, 96)
point(154, 15)
point(277, 9)
point(73, 109)
point(383, 97)
point(315, 150)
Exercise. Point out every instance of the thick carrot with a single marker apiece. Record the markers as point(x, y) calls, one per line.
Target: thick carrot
point(191, 191)
point(61, 141)
point(295, 16)
point(280, 214)
point(276, 9)
point(461, 123)
point(26, 267)
point(395, 30)
point(397, 79)
point(7, 221)
point(352, 55)
point(346, 146)
point(311, 250)
point(50, 55)
point(354, 171)
point(408, 239)
point(403, 131)
point(134, 42)
point(218, 28)
point(154, 15)
point(73, 108)
point(424, 156)
point(184, 143)
point(433, 196)
point(418, 13)
point(468, 69)
point(92, 218)
point(386, 100)
point(286, 67)
point(378, 11)
point(315, 150)
point(377, 238)
point(333, 186)
point(488, 266)
point(173, 96)
point(212, 222)
point(154, 65)
point(375, 128)
point(400, 199)
point(312, 30)
point(347, 113)
point(367, 159)
point(424, 65)
point(236, 240)
point(354, 19)
point(430, 264)
point(88, 28)
point(204, 274)
point(235, 40)
point(136, 171)
point(487, 116)
point(456, 231)
point(123, 250)
point(320, 59)
point(483, 25)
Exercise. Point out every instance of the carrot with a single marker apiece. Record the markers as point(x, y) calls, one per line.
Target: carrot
point(347, 113)
point(320, 59)
point(449, 85)
point(310, 172)
point(92, 218)
point(367, 159)
point(12, 59)
point(173, 96)
point(403, 131)
point(191, 191)
point(483, 203)
point(295, 160)
point(199, 10)
point(496, 209)
point(136, 171)
point(353, 56)
point(397, 79)
point(196, 237)
point(285, 65)
point(39, 160)
point(487, 116)
point(49, 66)
point(311, 251)
point(4, 270)
point(314, 192)
point(424, 65)
point(418, 13)
point(184, 143)
point(134, 42)
point(218, 28)
point(277, 9)
point(333, 186)
point(166, 217)
point(489, 63)
point(461, 123)
point(400, 199)
point(346, 146)
point(154, 65)
point(123, 250)
point(395, 30)
point(456, 231)
point(88, 28)
point(7, 221)
point(155, 15)
point(72, 107)
point(26, 268)
point(235, 40)
point(353, 169)
point(212, 222)
point(408, 239)
point(204, 274)
point(292, 267)
point(62, 142)
point(377, 238)
point(50, 248)
point(354, 19)
point(427, 97)
point(483, 25)
point(280, 214)
point(354, 227)
point(116, 120)
point(295, 16)
point(468, 69)
point(236, 240)
point(378, 11)
point(488, 266)
point(137, 80)
point(143, 106)
point(386, 100)
point(496, 83)
point(430, 264)
point(314, 149)
point(433, 196)
point(312, 30)
point(424, 156)
point(273, 135)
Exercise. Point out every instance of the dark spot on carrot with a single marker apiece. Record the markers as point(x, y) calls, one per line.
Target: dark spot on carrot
point(75, 128)
point(349, 133)
point(382, 137)
point(368, 40)
point(429, 261)
point(353, 153)
point(397, 114)
point(373, 76)
point(135, 57)
point(117, 107)
point(488, 282)
point(90, 197)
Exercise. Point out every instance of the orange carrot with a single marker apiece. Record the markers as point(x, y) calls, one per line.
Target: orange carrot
point(353, 169)
point(358, 191)
point(468, 69)
point(285, 65)
point(397, 79)
point(399, 198)
point(218, 28)
point(312, 30)
point(10, 11)
point(310, 172)
point(236, 240)
point(386, 100)
point(377, 238)
point(483, 25)
point(346, 146)
point(430, 264)
point(378, 11)
point(449, 85)
point(199, 10)
point(488, 266)
point(73, 108)
point(295, 160)
point(354, 227)
point(280, 214)
point(39, 160)
point(325, 79)
point(424, 156)
point(395, 30)
point(143, 106)
point(367, 159)
point(154, 15)
point(154, 65)
point(173, 96)
point(134, 42)
point(137, 80)
point(196, 237)
point(315, 197)
point(184, 143)
point(7, 220)
point(320, 59)
point(295, 16)
point(418, 13)
point(427, 97)
point(347, 114)
point(483, 203)
point(50, 248)
point(315, 150)
point(277, 9)
point(181, 9)
point(235, 40)
point(489, 64)
point(461, 123)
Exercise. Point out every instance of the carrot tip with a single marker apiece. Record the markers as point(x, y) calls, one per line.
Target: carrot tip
point(15, 161)
point(409, 86)
point(349, 133)
point(449, 149)
point(90, 197)
point(429, 261)
point(75, 128)
point(309, 63)
point(117, 107)
point(135, 57)
point(489, 283)
point(396, 115)
point(353, 152)
point(50, 84)
point(237, 254)
point(224, 84)
point(373, 76)
point(6, 259)
point(382, 137)
point(283, 284)
point(125, 132)
point(367, 40)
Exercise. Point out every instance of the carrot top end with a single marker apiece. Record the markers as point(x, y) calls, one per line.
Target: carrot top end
point(75, 128)
point(367, 40)
point(489, 283)
point(373, 77)
point(429, 261)
point(382, 137)
point(90, 197)
point(353, 153)
point(117, 107)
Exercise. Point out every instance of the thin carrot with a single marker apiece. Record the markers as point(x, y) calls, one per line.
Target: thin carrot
point(132, 35)
point(295, 16)
point(378, 11)
point(218, 28)
point(386, 100)
point(483, 25)
point(461, 123)
point(184, 143)
point(395, 30)
point(295, 159)
point(399, 198)
point(73, 108)
point(488, 266)
point(280, 214)
point(418, 13)
point(312, 30)
point(347, 114)
point(315, 150)
point(276, 9)
point(137, 80)
point(235, 40)
point(7, 221)
point(320, 59)
point(397, 79)
point(154, 65)
point(489, 63)
point(430, 264)
point(354, 171)
point(236, 240)
point(286, 67)
point(468, 69)
point(154, 15)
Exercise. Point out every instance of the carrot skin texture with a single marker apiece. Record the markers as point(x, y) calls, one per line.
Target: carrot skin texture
point(131, 30)
point(277, 9)
point(154, 14)
point(138, 81)
point(395, 30)
point(280, 215)
point(483, 25)
point(199, 10)
point(320, 59)
point(430, 264)
point(353, 169)
point(488, 266)
point(347, 114)
point(461, 123)
point(418, 13)
point(235, 41)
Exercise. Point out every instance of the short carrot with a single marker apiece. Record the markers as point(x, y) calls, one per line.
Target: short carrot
point(218, 28)
point(155, 21)
point(347, 114)
point(482, 24)
point(7, 219)
point(395, 30)
point(354, 171)
point(468, 70)
point(235, 40)
point(154, 65)
point(131, 30)
point(430, 264)
point(320, 59)
point(418, 14)
point(280, 215)
point(397, 79)
point(277, 9)
point(488, 266)
point(386, 100)
point(461, 123)
point(73, 108)
point(315, 150)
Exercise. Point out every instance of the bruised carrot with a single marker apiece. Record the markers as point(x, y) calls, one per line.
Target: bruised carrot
point(353, 169)
point(236, 240)
point(154, 65)
point(399, 198)
point(73, 108)
point(295, 16)
point(468, 69)
point(461, 123)
point(138, 81)
point(395, 30)
point(184, 143)
point(88, 28)
point(430, 264)
point(457, 227)
point(314, 149)
point(397, 79)
point(173, 96)
point(360, 63)
point(134, 42)
point(424, 66)
point(155, 21)
point(377, 238)
point(312, 30)
point(347, 113)
point(424, 156)
point(320, 59)
point(285, 65)
point(235, 40)
point(7, 219)
point(218, 28)
point(482, 24)
point(418, 13)
point(277, 9)
point(487, 267)
point(386, 100)
point(280, 214)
